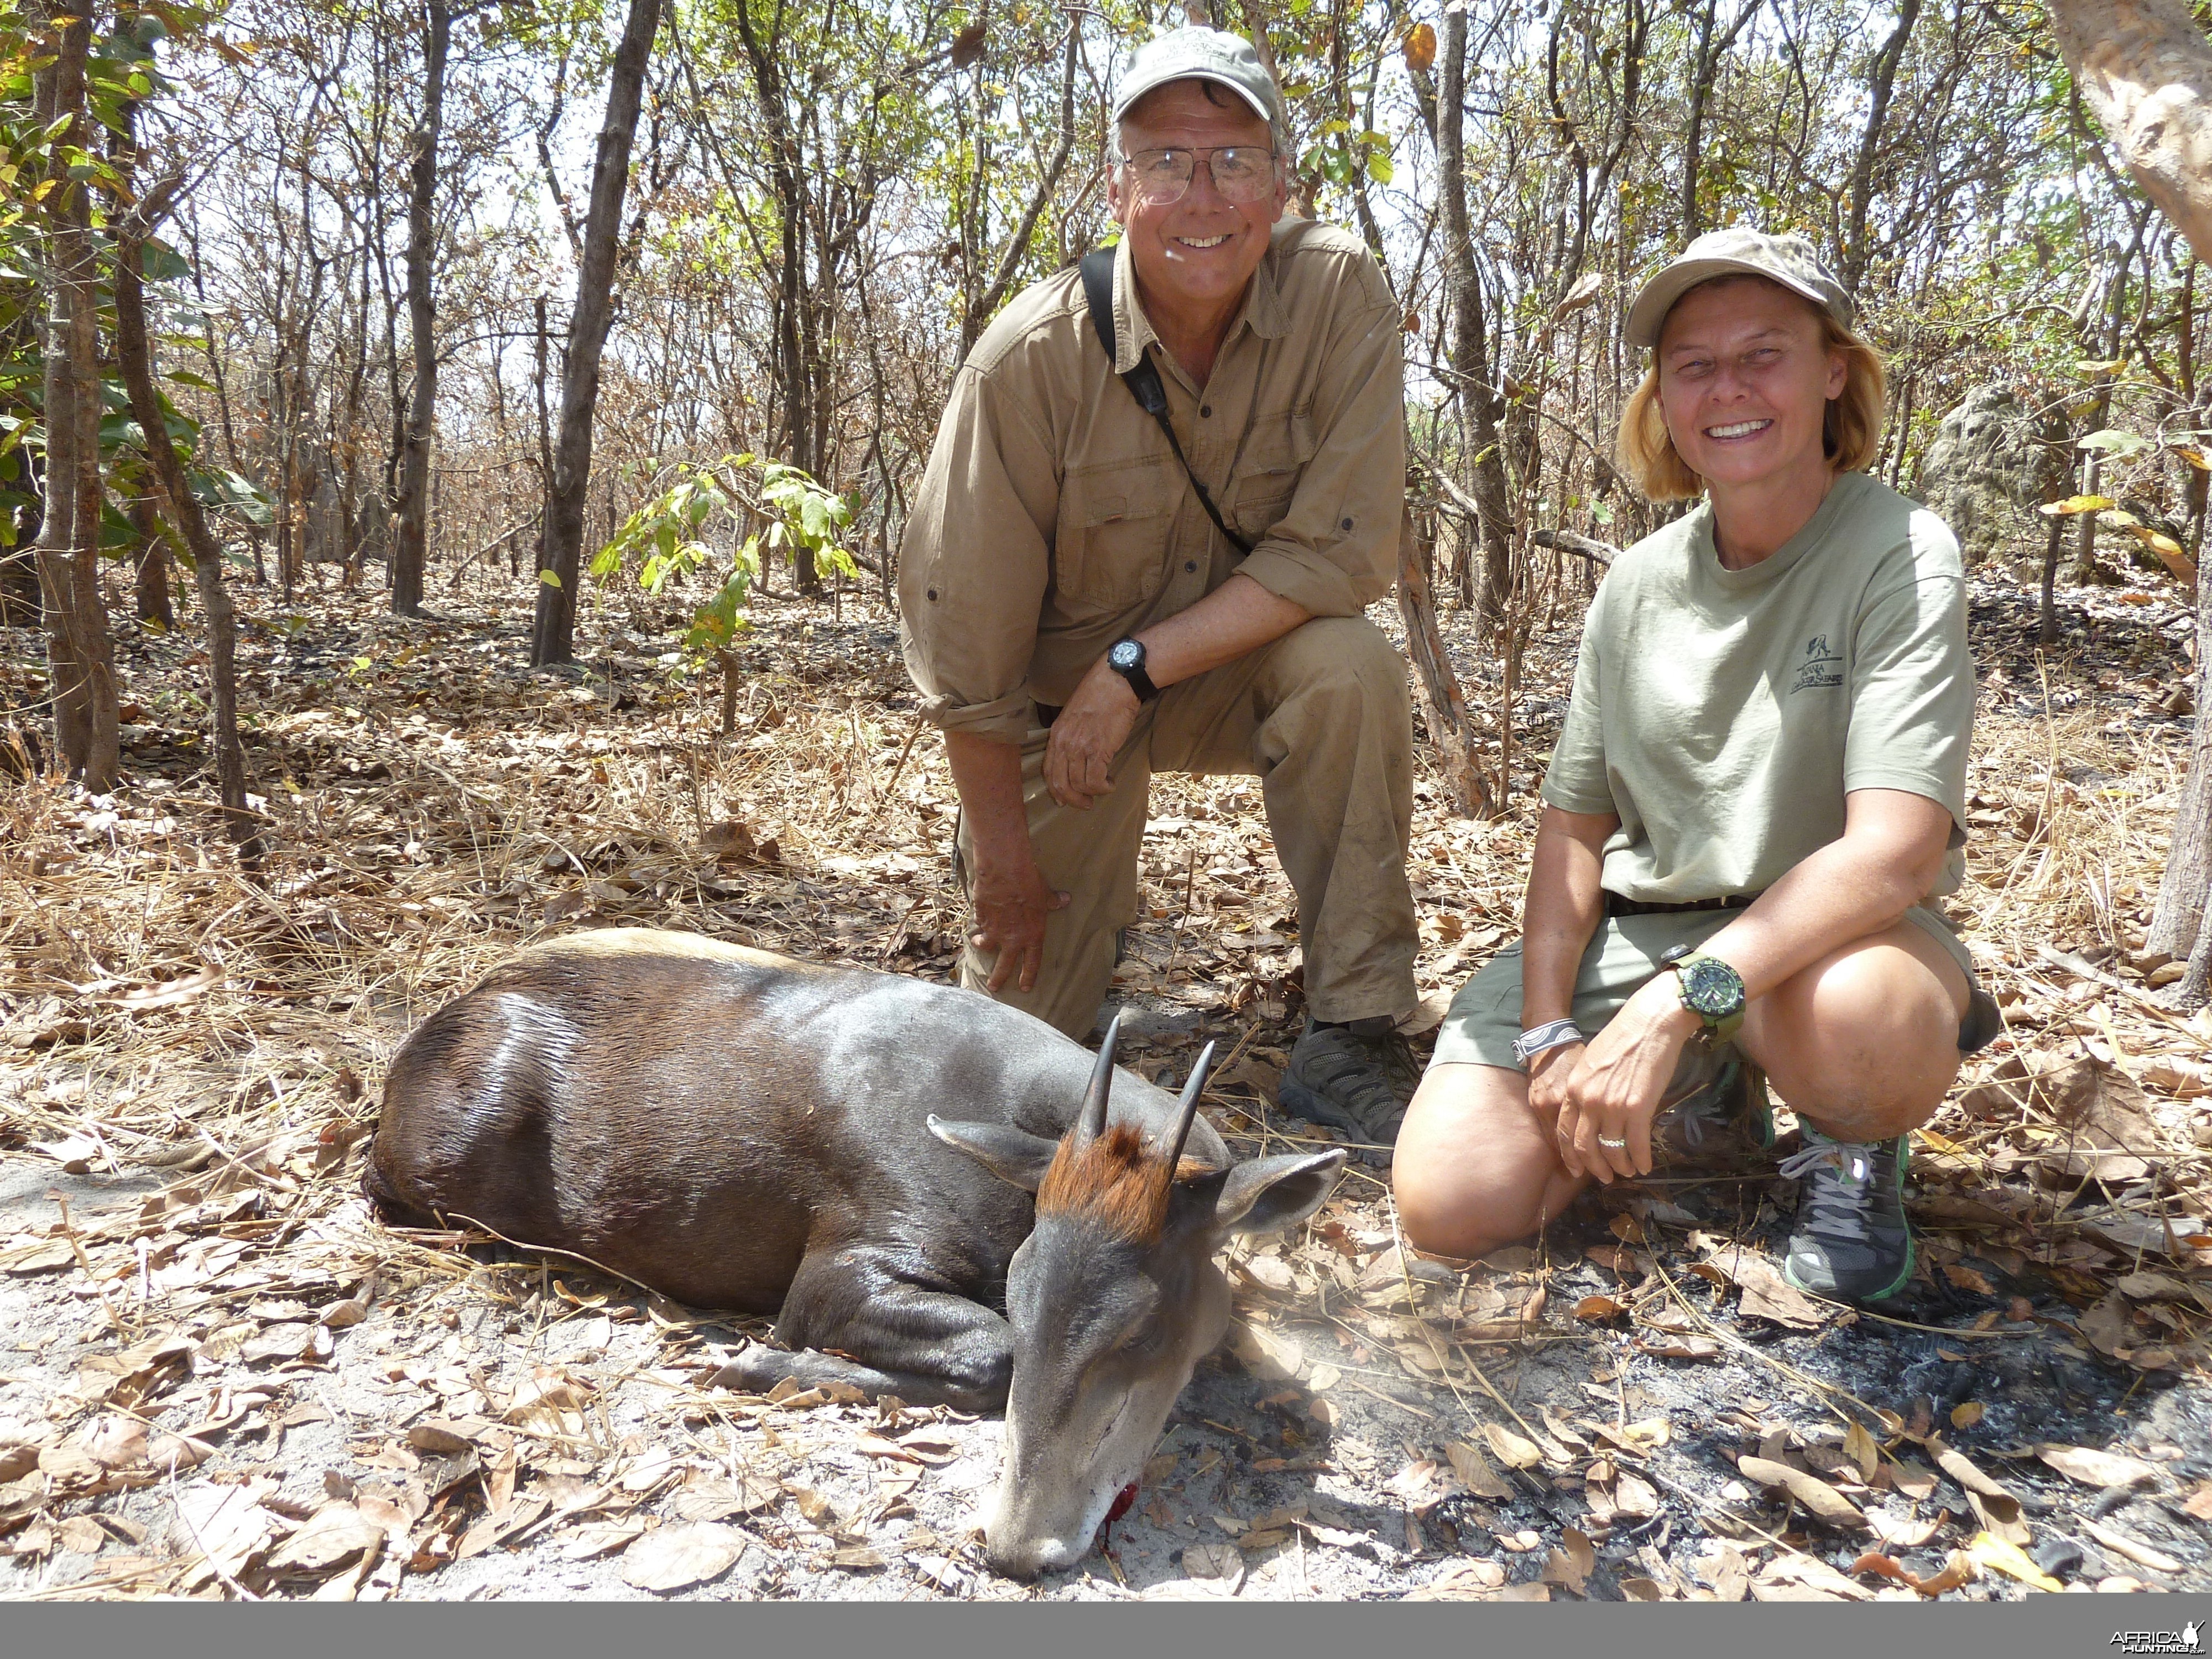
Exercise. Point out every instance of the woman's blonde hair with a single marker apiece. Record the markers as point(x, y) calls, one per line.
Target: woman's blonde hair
point(1851, 433)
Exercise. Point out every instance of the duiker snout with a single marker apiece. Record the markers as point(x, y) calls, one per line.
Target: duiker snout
point(1043, 1519)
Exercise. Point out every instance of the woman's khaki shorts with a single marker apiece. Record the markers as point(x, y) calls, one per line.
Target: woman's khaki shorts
point(1624, 953)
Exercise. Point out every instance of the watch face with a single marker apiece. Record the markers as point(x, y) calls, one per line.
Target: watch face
point(1711, 988)
point(1125, 655)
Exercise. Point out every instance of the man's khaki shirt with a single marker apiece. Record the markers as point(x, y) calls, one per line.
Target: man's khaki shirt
point(1053, 518)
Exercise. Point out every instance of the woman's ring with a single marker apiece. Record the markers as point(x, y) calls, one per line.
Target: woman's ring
point(1621, 1145)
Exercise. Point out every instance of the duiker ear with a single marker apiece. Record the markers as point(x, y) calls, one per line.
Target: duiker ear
point(1267, 1192)
point(1006, 1153)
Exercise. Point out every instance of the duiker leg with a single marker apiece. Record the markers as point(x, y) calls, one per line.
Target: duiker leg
point(905, 1336)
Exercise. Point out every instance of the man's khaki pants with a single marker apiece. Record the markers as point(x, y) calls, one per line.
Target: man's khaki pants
point(1323, 717)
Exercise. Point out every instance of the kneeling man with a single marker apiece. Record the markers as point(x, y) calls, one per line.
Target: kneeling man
point(1092, 593)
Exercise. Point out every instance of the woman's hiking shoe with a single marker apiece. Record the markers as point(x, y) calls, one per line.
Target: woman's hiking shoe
point(1716, 1114)
point(1851, 1242)
point(1353, 1079)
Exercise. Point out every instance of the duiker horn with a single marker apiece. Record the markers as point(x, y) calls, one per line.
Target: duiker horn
point(1186, 1108)
point(1091, 1122)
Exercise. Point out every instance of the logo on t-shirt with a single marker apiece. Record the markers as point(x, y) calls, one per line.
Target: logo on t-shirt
point(1817, 666)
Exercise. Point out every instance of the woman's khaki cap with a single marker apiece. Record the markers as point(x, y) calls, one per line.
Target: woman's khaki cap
point(1197, 53)
point(1736, 252)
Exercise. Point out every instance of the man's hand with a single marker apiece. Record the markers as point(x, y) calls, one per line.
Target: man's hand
point(1615, 1088)
point(1009, 892)
point(1088, 734)
point(1011, 902)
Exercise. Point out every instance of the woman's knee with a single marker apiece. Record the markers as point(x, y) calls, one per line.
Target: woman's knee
point(1472, 1166)
point(1868, 1035)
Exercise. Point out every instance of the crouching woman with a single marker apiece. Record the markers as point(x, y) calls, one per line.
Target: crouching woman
point(1760, 782)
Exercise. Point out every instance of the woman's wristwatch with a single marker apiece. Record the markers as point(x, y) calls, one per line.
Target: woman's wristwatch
point(1709, 988)
point(1552, 1034)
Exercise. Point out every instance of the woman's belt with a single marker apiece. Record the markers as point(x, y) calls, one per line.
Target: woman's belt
point(1616, 905)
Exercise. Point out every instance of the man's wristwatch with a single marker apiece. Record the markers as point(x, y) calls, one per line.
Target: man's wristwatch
point(1127, 659)
point(1540, 1039)
point(1709, 988)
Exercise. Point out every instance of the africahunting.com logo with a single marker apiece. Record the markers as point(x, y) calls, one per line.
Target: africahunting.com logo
point(2187, 1639)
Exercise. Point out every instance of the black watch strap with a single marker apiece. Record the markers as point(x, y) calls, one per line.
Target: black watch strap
point(1129, 664)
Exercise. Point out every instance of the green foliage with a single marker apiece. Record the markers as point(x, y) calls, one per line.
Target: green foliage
point(38, 164)
point(665, 538)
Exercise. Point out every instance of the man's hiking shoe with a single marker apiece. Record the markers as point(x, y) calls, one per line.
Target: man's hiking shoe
point(1717, 1113)
point(1851, 1240)
point(1359, 1084)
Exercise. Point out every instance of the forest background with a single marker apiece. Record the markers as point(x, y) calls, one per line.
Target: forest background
point(404, 312)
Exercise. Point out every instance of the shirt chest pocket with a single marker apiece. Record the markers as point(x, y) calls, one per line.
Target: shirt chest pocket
point(1110, 547)
point(1268, 472)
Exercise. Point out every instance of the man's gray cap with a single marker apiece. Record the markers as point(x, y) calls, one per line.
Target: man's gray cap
point(1202, 54)
point(1738, 251)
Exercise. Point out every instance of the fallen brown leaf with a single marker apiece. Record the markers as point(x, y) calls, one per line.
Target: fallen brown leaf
point(1571, 1564)
point(1221, 1564)
point(334, 1535)
point(1802, 1578)
point(1475, 1471)
point(2095, 1468)
point(598, 1538)
point(1859, 1446)
point(1462, 1581)
point(435, 1434)
point(1904, 1534)
point(1967, 1280)
point(2133, 1548)
point(1821, 1499)
point(717, 1498)
point(1511, 1448)
point(674, 1558)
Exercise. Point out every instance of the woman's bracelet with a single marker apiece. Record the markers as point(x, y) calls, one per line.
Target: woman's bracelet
point(1554, 1034)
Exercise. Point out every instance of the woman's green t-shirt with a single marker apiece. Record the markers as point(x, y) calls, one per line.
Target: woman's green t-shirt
point(1724, 714)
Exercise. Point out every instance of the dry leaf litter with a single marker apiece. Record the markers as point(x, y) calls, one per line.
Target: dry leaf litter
point(219, 1378)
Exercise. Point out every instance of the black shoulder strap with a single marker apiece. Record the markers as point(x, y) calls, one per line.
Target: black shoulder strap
point(1143, 380)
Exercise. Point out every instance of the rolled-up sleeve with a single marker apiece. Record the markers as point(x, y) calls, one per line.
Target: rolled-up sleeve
point(1335, 551)
point(975, 561)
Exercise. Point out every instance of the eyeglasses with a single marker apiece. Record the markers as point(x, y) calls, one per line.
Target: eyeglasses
point(1244, 173)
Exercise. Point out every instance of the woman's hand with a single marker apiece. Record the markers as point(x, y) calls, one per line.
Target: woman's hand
point(1547, 1077)
point(1608, 1102)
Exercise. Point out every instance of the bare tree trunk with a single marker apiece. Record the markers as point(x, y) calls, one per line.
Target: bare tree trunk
point(153, 561)
point(551, 635)
point(135, 358)
point(409, 545)
point(1704, 69)
point(1881, 79)
point(1469, 353)
point(2093, 462)
point(787, 181)
point(2046, 634)
point(2177, 924)
point(1443, 706)
point(81, 657)
point(980, 311)
point(2145, 67)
